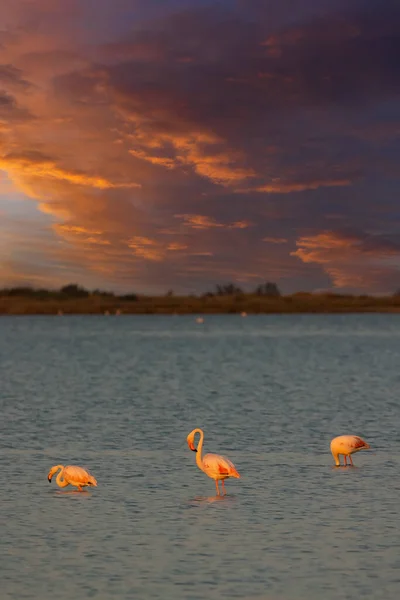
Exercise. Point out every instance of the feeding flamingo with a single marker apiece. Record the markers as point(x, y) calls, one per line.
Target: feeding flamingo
point(214, 465)
point(347, 445)
point(72, 475)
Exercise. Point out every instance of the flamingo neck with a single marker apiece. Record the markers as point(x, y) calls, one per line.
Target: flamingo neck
point(59, 479)
point(199, 460)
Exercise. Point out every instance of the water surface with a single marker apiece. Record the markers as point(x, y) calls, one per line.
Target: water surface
point(120, 394)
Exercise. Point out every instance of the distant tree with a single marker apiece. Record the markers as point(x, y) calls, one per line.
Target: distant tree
point(130, 297)
point(43, 294)
point(228, 289)
point(170, 293)
point(397, 293)
point(103, 294)
point(268, 289)
point(72, 290)
point(28, 292)
point(20, 291)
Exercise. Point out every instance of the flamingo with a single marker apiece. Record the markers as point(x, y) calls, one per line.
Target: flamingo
point(72, 475)
point(214, 465)
point(347, 445)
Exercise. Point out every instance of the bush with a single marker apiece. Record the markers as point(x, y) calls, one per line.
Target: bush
point(73, 290)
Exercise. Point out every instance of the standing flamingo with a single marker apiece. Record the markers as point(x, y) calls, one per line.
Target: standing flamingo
point(72, 475)
point(347, 445)
point(214, 465)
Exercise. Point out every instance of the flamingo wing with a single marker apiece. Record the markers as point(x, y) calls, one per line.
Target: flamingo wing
point(358, 442)
point(220, 465)
point(78, 475)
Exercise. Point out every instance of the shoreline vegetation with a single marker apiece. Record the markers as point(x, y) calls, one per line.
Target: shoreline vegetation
point(226, 299)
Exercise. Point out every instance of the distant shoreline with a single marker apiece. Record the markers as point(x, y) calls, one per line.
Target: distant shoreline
point(244, 304)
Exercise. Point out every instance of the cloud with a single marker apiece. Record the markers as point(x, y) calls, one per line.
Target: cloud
point(204, 222)
point(81, 236)
point(278, 187)
point(162, 154)
point(176, 247)
point(39, 257)
point(238, 66)
point(146, 248)
point(12, 77)
point(154, 250)
point(203, 152)
point(35, 166)
point(353, 260)
point(10, 111)
point(274, 240)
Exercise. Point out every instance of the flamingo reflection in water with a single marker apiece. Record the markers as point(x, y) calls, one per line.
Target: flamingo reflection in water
point(215, 466)
point(72, 475)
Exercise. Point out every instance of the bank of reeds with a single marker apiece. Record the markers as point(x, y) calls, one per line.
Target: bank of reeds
point(57, 303)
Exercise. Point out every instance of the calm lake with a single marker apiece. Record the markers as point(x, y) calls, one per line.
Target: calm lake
point(118, 395)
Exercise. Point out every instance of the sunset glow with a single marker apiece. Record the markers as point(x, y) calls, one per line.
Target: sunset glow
point(148, 146)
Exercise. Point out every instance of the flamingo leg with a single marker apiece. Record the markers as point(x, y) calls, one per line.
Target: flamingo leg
point(345, 460)
point(351, 460)
point(223, 487)
point(216, 485)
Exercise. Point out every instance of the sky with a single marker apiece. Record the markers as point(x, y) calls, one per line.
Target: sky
point(148, 145)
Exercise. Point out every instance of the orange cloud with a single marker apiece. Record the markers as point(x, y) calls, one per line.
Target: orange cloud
point(203, 151)
point(18, 167)
point(146, 248)
point(151, 249)
point(204, 222)
point(321, 247)
point(351, 260)
point(76, 229)
point(81, 235)
point(176, 247)
point(273, 240)
point(154, 250)
point(278, 187)
point(240, 225)
point(168, 163)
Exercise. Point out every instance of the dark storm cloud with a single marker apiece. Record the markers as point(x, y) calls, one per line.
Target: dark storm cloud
point(235, 141)
point(11, 111)
point(220, 66)
point(12, 77)
point(279, 97)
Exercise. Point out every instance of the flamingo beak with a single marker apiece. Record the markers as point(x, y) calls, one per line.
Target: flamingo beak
point(191, 446)
point(49, 478)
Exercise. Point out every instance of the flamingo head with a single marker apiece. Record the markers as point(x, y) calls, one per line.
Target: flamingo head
point(52, 471)
point(190, 441)
point(92, 481)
